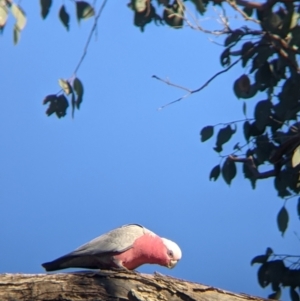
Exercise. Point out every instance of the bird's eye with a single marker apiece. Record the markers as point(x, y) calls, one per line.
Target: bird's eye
point(170, 253)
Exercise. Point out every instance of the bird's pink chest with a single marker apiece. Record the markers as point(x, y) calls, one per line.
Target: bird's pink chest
point(146, 249)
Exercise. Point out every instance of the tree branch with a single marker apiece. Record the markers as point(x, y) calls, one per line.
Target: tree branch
point(253, 168)
point(109, 286)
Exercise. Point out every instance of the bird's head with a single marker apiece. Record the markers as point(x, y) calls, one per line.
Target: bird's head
point(173, 253)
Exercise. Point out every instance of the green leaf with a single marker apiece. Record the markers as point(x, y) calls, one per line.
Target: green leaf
point(206, 133)
point(19, 15)
point(139, 6)
point(215, 173)
point(65, 86)
point(262, 113)
point(228, 171)
point(3, 16)
point(282, 220)
point(199, 6)
point(259, 259)
point(45, 7)
point(84, 10)
point(78, 88)
point(294, 295)
point(296, 157)
point(64, 17)
point(224, 135)
point(17, 34)
point(276, 295)
point(173, 15)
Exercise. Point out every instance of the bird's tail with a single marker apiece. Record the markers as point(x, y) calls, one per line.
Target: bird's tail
point(71, 261)
point(53, 265)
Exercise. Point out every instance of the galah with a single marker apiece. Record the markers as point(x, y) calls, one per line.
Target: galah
point(127, 247)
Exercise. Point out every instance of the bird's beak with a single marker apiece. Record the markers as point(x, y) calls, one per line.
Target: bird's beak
point(172, 264)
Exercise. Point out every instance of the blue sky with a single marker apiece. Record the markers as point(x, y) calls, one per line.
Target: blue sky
point(64, 182)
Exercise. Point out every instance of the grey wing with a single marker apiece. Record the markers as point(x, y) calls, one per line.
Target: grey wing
point(117, 240)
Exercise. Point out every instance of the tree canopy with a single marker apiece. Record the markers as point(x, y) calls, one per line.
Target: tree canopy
point(266, 46)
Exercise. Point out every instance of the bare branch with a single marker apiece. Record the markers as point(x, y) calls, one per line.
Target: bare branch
point(190, 92)
point(233, 4)
point(90, 35)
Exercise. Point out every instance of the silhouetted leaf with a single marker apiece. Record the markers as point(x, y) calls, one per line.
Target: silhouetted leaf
point(228, 171)
point(45, 7)
point(64, 17)
point(269, 251)
point(281, 184)
point(244, 108)
point(259, 259)
point(262, 55)
point(206, 133)
point(215, 172)
point(271, 272)
point(225, 57)
point(282, 220)
point(224, 135)
point(237, 146)
point(248, 11)
point(264, 148)
point(57, 105)
point(298, 208)
point(199, 6)
point(248, 50)
point(19, 15)
point(84, 10)
point(276, 295)
point(262, 113)
point(254, 131)
point(234, 37)
point(49, 98)
point(247, 130)
point(73, 103)
point(262, 275)
point(294, 295)
point(78, 88)
point(16, 33)
point(243, 89)
point(249, 175)
point(65, 86)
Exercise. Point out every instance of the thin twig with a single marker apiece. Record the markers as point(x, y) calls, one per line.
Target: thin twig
point(90, 35)
point(246, 17)
point(190, 92)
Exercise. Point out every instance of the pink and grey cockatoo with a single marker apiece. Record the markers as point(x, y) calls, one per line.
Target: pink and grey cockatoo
point(127, 247)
